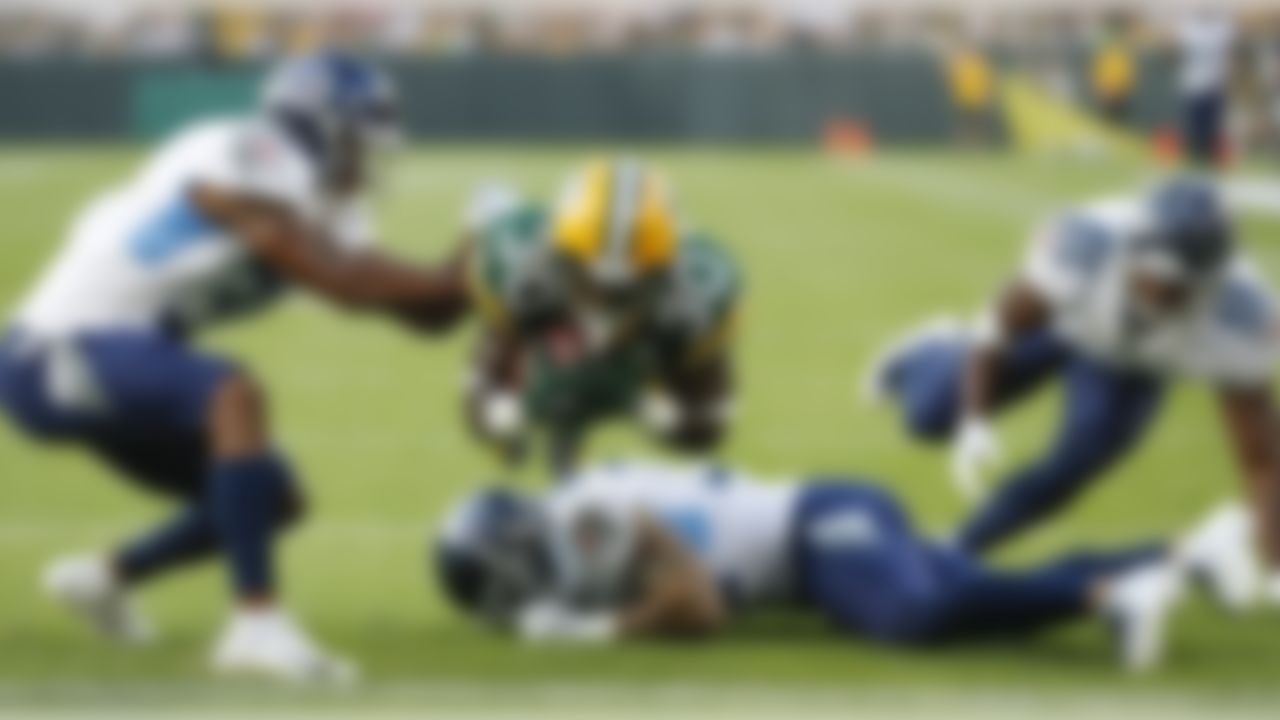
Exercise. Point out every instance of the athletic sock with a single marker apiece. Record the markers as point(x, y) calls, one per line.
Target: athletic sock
point(248, 499)
point(188, 537)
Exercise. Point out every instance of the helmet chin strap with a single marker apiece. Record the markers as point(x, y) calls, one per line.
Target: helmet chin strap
point(319, 142)
point(306, 133)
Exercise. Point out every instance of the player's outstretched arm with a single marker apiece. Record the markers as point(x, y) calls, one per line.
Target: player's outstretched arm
point(430, 299)
point(1019, 310)
point(1251, 419)
point(494, 406)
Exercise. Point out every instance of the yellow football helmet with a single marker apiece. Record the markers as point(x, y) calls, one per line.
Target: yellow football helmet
point(615, 221)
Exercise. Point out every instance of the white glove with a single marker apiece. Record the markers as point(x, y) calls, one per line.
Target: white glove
point(659, 412)
point(975, 450)
point(547, 622)
point(502, 414)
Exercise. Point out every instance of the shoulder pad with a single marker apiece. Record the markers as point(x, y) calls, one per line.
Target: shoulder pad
point(705, 285)
point(511, 276)
point(259, 161)
point(1082, 244)
point(1243, 306)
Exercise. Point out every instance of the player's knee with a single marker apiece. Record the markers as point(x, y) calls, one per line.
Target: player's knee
point(1049, 485)
point(928, 422)
point(917, 625)
point(293, 511)
point(239, 397)
point(238, 422)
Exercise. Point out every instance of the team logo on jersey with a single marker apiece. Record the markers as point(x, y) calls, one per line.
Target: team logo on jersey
point(846, 529)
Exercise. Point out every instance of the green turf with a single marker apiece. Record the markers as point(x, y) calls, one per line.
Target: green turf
point(838, 256)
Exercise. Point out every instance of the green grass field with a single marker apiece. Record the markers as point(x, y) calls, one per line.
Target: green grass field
point(838, 256)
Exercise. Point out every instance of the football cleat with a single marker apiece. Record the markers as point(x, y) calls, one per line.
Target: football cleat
point(1219, 552)
point(88, 585)
point(268, 643)
point(1138, 605)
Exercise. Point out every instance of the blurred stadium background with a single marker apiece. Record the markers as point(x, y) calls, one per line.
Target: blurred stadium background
point(907, 72)
point(871, 161)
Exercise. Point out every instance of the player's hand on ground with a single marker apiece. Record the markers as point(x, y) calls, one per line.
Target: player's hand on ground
point(975, 451)
point(550, 622)
point(659, 412)
point(498, 416)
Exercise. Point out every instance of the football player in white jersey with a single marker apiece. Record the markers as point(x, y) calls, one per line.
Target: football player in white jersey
point(1117, 298)
point(222, 218)
point(646, 550)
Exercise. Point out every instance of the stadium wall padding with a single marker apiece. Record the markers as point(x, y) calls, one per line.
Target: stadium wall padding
point(900, 95)
point(64, 100)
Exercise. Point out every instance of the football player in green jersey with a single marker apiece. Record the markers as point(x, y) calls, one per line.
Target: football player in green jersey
point(600, 307)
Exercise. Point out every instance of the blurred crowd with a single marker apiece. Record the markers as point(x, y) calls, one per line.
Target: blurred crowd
point(123, 29)
point(1086, 53)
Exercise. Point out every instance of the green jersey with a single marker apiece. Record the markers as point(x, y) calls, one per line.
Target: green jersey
point(520, 286)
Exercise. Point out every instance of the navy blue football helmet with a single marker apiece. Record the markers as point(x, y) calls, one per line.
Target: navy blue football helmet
point(1190, 226)
point(333, 104)
point(491, 556)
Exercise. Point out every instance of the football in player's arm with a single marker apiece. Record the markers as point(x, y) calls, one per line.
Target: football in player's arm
point(599, 308)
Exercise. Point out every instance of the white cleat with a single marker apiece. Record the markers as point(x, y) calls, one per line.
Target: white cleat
point(1271, 591)
point(268, 643)
point(1138, 604)
point(874, 383)
point(87, 585)
point(1220, 553)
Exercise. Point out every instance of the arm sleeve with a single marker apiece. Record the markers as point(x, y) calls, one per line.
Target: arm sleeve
point(509, 276)
point(700, 315)
point(486, 268)
point(1241, 344)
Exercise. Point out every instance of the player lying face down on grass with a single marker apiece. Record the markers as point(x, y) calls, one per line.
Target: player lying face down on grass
point(1118, 298)
point(637, 550)
point(224, 217)
point(599, 307)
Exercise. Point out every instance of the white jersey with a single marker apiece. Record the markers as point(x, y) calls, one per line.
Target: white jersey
point(1206, 43)
point(1080, 263)
point(739, 527)
point(141, 256)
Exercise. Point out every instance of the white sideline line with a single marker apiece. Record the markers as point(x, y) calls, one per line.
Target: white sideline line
point(22, 171)
point(1253, 194)
point(622, 700)
point(959, 193)
point(1047, 542)
point(27, 532)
